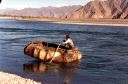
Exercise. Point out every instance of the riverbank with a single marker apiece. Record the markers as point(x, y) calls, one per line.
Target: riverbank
point(100, 22)
point(91, 23)
point(6, 78)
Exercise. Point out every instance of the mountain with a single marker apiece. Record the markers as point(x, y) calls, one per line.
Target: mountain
point(96, 9)
point(42, 12)
point(109, 9)
point(2, 11)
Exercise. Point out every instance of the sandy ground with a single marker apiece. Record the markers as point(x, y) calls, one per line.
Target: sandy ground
point(100, 22)
point(82, 23)
point(6, 78)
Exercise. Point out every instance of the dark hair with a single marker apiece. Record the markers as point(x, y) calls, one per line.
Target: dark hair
point(67, 36)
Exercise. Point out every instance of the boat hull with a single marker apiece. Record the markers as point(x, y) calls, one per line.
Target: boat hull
point(48, 51)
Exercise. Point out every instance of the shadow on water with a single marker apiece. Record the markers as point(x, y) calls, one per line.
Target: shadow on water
point(65, 71)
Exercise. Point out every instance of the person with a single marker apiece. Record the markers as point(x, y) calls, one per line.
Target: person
point(68, 42)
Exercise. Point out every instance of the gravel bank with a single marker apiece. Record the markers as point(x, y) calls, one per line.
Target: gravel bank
point(6, 78)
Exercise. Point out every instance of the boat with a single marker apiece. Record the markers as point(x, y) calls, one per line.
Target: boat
point(50, 52)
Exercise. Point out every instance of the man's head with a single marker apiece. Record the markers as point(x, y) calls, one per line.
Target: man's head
point(67, 36)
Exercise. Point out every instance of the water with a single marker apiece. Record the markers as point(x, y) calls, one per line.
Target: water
point(104, 50)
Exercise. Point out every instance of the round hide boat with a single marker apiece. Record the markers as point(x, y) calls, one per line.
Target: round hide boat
point(52, 52)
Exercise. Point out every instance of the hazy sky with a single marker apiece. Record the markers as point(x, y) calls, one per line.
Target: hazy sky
point(19, 4)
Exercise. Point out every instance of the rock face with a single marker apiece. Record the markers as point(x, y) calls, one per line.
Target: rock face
point(110, 9)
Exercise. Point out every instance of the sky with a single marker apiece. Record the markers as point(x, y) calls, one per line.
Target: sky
point(20, 4)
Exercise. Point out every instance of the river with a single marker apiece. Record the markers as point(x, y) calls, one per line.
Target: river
point(104, 50)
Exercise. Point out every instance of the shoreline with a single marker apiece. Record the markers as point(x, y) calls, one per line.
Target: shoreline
point(7, 78)
point(97, 22)
point(93, 24)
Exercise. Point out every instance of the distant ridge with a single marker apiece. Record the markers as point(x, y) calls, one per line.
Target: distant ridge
point(110, 9)
point(42, 12)
point(96, 9)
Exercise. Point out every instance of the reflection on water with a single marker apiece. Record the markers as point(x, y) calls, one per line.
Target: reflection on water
point(68, 69)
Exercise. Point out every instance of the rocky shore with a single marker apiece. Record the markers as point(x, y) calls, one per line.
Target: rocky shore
point(6, 78)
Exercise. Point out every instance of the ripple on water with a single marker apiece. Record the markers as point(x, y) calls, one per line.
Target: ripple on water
point(104, 50)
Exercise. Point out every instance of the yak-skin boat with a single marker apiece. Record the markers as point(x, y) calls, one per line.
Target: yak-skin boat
point(52, 52)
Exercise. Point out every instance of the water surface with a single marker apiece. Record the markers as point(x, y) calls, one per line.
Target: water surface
point(104, 50)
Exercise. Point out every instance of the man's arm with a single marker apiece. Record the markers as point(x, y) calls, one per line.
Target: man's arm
point(66, 41)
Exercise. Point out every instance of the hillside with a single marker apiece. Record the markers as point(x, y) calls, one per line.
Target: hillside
point(42, 12)
point(109, 9)
point(96, 9)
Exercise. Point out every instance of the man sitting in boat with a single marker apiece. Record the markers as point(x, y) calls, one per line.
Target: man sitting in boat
point(68, 43)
